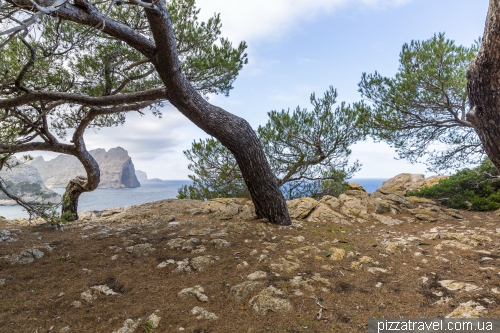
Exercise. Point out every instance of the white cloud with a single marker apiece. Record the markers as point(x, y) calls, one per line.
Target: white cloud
point(271, 19)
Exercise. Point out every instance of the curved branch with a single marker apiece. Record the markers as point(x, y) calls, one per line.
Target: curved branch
point(37, 96)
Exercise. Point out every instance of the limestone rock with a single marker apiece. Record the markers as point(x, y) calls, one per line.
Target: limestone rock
point(469, 309)
point(353, 207)
point(129, 326)
point(201, 313)
point(117, 169)
point(300, 208)
point(196, 291)
point(222, 208)
point(243, 290)
point(6, 236)
point(257, 275)
point(105, 290)
point(142, 177)
point(398, 184)
point(141, 249)
point(324, 214)
point(270, 299)
point(458, 286)
point(337, 254)
point(387, 220)
point(356, 190)
point(24, 257)
point(428, 182)
point(199, 263)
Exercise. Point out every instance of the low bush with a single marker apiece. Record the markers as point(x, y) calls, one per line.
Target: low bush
point(474, 189)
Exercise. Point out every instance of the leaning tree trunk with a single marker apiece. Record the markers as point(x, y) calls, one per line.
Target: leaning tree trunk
point(79, 184)
point(233, 132)
point(483, 86)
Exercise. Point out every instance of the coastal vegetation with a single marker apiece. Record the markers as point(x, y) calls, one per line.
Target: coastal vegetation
point(475, 189)
point(308, 151)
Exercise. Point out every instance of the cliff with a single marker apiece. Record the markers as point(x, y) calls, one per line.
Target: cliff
point(143, 177)
point(25, 182)
point(117, 169)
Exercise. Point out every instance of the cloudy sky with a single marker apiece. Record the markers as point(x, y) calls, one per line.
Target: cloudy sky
point(297, 47)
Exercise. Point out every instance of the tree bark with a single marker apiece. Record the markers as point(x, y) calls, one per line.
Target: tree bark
point(483, 86)
point(79, 185)
point(233, 132)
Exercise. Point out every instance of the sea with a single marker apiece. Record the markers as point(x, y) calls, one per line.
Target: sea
point(151, 191)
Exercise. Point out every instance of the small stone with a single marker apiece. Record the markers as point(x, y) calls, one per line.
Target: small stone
point(129, 326)
point(87, 296)
point(76, 304)
point(114, 257)
point(469, 309)
point(141, 249)
point(203, 314)
point(257, 275)
point(65, 329)
point(337, 254)
point(154, 320)
point(104, 289)
point(378, 285)
point(242, 291)
point(200, 263)
point(163, 264)
point(375, 270)
point(242, 265)
point(196, 291)
point(220, 243)
point(2, 282)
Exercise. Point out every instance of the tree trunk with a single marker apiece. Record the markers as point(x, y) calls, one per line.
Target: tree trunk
point(79, 184)
point(233, 132)
point(483, 86)
point(75, 187)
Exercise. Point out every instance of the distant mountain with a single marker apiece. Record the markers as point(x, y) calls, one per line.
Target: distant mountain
point(143, 177)
point(25, 182)
point(117, 169)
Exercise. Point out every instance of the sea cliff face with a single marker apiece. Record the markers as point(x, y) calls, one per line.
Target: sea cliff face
point(117, 169)
point(25, 182)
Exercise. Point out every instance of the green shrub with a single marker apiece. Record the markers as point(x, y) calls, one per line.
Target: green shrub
point(474, 189)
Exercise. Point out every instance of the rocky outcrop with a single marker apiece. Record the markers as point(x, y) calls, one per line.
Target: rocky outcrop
point(142, 177)
point(25, 182)
point(117, 169)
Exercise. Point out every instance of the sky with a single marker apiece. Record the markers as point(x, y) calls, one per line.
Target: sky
point(295, 48)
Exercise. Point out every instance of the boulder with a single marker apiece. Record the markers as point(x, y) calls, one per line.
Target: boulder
point(324, 214)
point(356, 190)
point(428, 182)
point(222, 208)
point(398, 184)
point(300, 208)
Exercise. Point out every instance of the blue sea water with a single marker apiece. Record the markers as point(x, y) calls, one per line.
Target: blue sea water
point(107, 198)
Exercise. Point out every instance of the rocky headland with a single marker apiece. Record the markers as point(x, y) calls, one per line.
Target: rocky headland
point(25, 182)
point(210, 266)
point(143, 177)
point(117, 169)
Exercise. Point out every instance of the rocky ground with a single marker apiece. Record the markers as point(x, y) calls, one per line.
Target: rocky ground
point(191, 266)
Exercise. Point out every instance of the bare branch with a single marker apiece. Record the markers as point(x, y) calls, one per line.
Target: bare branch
point(37, 96)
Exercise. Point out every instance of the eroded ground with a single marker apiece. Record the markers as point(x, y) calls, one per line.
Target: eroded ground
point(175, 266)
